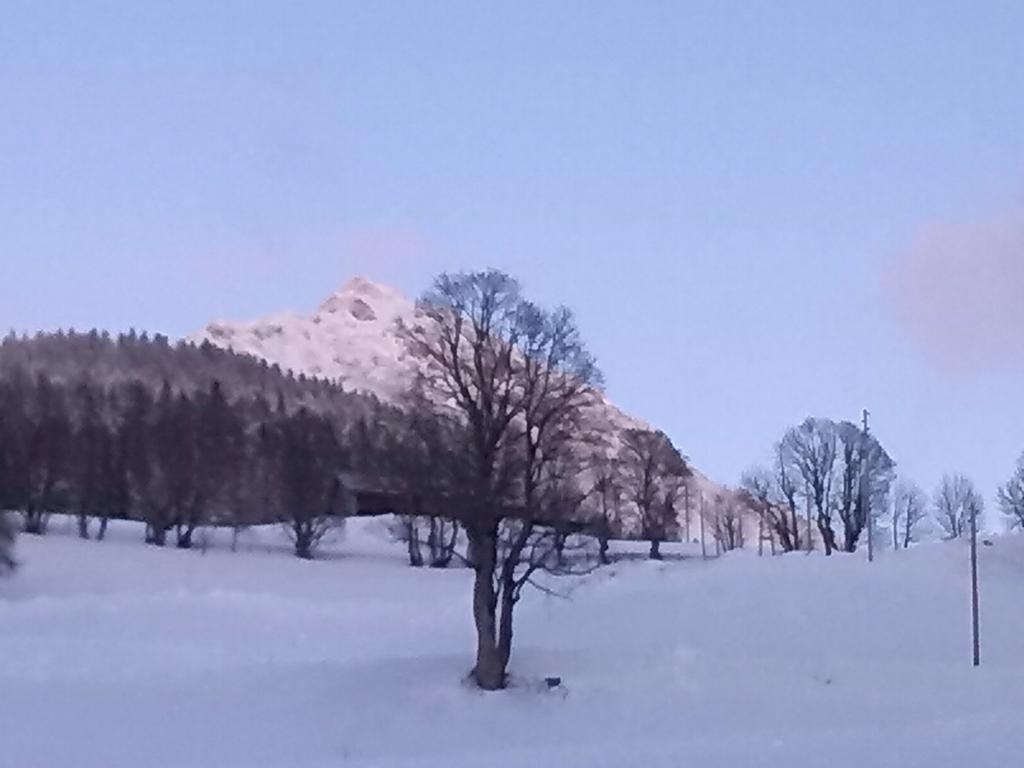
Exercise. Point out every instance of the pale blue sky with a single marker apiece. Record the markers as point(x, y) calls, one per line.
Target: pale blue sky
point(723, 191)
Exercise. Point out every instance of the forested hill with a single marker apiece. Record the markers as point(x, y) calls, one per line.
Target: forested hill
point(178, 436)
point(70, 358)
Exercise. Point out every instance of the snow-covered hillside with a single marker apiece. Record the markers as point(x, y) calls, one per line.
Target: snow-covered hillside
point(117, 655)
point(352, 338)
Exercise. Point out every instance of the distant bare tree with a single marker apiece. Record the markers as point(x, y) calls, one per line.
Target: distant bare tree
point(303, 455)
point(437, 534)
point(607, 492)
point(727, 521)
point(772, 496)
point(842, 472)
point(1011, 496)
point(424, 456)
point(955, 500)
point(809, 452)
point(865, 473)
point(910, 509)
point(653, 473)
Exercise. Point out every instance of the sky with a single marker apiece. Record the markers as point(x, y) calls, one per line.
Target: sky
point(759, 211)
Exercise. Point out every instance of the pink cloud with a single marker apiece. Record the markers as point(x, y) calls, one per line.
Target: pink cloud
point(959, 292)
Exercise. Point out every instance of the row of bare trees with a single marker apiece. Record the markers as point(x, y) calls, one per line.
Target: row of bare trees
point(838, 472)
point(829, 483)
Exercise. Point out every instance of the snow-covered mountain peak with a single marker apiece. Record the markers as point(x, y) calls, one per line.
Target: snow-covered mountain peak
point(365, 301)
point(350, 338)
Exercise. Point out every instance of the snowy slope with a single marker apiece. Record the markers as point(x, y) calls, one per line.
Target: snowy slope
point(352, 338)
point(116, 655)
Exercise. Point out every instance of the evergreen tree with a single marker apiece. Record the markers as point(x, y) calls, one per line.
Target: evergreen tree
point(48, 438)
point(90, 452)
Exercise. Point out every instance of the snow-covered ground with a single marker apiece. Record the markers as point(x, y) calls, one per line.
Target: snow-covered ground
point(117, 655)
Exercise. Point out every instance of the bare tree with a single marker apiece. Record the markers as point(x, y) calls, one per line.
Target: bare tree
point(436, 534)
point(1011, 496)
point(865, 473)
point(607, 492)
point(653, 473)
point(515, 380)
point(773, 498)
point(844, 472)
point(909, 510)
point(809, 452)
point(303, 458)
point(955, 500)
point(728, 520)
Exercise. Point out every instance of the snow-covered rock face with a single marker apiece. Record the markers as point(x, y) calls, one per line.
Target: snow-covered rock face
point(353, 338)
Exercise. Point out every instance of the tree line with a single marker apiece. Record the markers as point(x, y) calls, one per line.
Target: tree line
point(175, 460)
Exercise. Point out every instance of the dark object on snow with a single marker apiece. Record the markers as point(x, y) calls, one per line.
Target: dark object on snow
point(7, 532)
point(552, 682)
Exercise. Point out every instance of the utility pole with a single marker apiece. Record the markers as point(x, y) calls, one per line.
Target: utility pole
point(703, 547)
point(974, 585)
point(865, 498)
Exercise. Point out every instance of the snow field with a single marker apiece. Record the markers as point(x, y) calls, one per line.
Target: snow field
point(118, 655)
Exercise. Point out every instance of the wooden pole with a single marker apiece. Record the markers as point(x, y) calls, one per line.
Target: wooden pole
point(865, 498)
point(975, 628)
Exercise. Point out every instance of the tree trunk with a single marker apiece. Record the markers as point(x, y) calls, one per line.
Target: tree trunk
point(442, 547)
point(102, 532)
point(851, 536)
point(505, 625)
point(303, 543)
point(489, 671)
point(156, 534)
point(603, 551)
point(413, 543)
point(35, 521)
point(828, 536)
point(655, 553)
